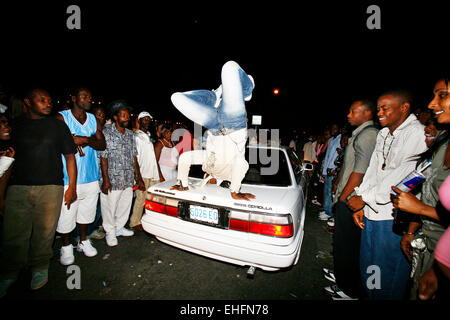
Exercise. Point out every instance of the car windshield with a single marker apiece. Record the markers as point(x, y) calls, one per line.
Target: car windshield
point(266, 167)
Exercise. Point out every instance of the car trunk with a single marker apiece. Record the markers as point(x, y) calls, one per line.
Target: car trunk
point(267, 199)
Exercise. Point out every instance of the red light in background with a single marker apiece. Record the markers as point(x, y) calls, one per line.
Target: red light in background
point(276, 91)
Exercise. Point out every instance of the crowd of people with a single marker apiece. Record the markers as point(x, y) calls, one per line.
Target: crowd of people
point(389, 243)
point(83, 172)
point(79, 172)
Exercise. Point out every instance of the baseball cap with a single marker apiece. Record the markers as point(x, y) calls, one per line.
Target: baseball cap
point(117, 105)
point(144, 114)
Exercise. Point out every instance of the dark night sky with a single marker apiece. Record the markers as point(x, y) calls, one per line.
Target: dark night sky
point(321, 56)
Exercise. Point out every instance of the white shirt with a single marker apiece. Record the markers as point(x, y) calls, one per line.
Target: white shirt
point(5, 163)
point(226, 157)
point(309, 151)
point(408, 140)
point(223, 159)
point(146, 155)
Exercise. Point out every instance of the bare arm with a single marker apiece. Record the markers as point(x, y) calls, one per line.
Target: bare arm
point(409, 203)
point(137, 175)
point(158, 148)
point(106, 185)
point(71, 193)
point(405, 242)
point(353, 181)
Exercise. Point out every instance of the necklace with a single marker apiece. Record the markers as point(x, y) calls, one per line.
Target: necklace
point(385, 156)
point(167, 144)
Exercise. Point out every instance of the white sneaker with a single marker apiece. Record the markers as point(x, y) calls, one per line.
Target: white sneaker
point(87, 248)
point(66, 255)
point(330, 222)
point(329, 275)
point(323, 216)
point(111, 239)
point(337, 294)
point(124, 232)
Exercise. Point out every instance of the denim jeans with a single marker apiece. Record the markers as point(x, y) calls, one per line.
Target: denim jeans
point(380, 250)
point(328, 197)
point(199, 105)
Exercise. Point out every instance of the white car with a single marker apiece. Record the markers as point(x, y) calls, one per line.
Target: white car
point(266, 232)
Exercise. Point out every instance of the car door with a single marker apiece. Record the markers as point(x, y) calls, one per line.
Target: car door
point(300, 176)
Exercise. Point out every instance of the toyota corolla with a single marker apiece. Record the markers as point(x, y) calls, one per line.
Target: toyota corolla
point(266, 232)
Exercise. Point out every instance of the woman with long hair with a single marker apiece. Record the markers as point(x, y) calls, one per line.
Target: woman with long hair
point(421, 237)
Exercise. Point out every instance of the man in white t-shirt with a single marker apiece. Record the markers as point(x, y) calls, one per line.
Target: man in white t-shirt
point(309, 149)
point(147, 164)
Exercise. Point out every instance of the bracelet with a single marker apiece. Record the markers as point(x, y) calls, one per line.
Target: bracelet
point(410, 233)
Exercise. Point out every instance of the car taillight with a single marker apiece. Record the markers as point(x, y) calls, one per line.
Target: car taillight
point(162, 204)
point(266, 224)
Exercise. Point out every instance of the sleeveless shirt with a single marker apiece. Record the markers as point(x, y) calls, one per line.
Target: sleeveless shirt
point(87, 166)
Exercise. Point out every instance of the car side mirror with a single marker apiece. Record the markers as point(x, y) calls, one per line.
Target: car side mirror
point(308, 167)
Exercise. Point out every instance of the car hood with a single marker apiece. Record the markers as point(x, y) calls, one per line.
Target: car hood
point(268, 198)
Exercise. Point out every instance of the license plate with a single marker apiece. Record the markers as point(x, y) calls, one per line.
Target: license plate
point(204, 214)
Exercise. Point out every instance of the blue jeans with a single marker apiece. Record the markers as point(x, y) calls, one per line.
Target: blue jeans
point(199, 105)
point(380, 247)
point(328, 197)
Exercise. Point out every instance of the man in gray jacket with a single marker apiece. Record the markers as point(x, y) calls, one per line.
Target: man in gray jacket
point(347, 235)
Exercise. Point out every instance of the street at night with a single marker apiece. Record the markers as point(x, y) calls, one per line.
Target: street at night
point(123, 99)
point(142, 268)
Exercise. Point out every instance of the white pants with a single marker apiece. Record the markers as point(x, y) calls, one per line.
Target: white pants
point(116, 206)
point(82, 211)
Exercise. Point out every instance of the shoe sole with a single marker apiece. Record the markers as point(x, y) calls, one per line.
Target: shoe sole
point(87, 255)
point(336, 296)
point(112, 244)
point(327, 275)
point(40, 286)
point(67, 264)
point(329, 290)
point(329, 278)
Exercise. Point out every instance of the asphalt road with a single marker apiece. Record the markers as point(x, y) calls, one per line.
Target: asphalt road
point(142, 268)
